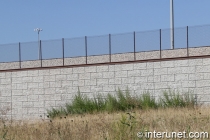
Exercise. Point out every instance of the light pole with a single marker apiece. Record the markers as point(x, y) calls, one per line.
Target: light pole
point(38, 30)
point(172, 23)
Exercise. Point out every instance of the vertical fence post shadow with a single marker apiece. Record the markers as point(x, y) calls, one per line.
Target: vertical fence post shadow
point(63, 50)
point(110, 49)
point(160, 44)
point(134, 45)
point(19, 55)
point(187, 43)
point(40, 51)
point(86, 48)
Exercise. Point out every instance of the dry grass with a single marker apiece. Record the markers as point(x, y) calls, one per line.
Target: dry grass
point(115, 126)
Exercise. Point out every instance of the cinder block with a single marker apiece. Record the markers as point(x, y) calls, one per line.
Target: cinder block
point(33, 85)
point(26, 80)
point(168, 64)
point(134, 73)
point(85, 89)
point(16, 92)
point(121, 74)
point(38, 104)
point(44, 72)
point(32, 73)
point(150, 65)
point(79, 70)
point(49, 103)
point(102, 68)
point(28, 104)
point(181, 63)
point(55, 84)
point(33, 98)
point(78, 83)
point(60, 77)
point(22, 86)
point(66, 71)
point(55, 71)
point(139, 66)
point(112, 67)
point(90, 69)
point(5, 81)
point(147, 72)
point(17, 80)
point(160, 71)
point(188, 69)
point(72, 76)
point(109, 88)
point(195, 62)
point(130, 80)
point(157, 65)
point(175, 70)
point(3, 75)
point(139, 80)
point(188, 84)
point(32, 111)
point(181, 77)
point(91, 82)
point(127, 67)
point(49, 91)
point(206, 61)
point(108, 74)
point(203, 83)
point(161, 85)
point(157, 78)
point(5, 98)
point(49, 78)
point(19, 98)
point(205, 68)
point(96, 75)
point(102, 82)
point(5, 92)
point(84, 76)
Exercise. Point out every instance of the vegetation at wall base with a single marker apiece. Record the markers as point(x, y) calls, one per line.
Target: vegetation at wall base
point(123, 101)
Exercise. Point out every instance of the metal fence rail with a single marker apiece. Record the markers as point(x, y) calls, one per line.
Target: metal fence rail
point(134, 42)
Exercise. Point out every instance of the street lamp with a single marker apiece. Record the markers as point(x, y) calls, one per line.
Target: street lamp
point(172, 23)
point(38, 30)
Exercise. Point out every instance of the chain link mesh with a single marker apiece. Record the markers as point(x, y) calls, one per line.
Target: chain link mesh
point(196, 36)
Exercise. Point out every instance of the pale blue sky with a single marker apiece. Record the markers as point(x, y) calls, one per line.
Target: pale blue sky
point(78, 18)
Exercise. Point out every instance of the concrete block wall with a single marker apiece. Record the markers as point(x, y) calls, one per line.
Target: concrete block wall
point(28, 94)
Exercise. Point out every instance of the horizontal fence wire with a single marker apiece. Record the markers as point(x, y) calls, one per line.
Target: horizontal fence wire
point(111, 44)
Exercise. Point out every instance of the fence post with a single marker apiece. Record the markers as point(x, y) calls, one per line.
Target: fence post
point(63, 49)
point(134, 45)
point(160, 45)
point(187, 43)
point(110, 49)
point(40, 51)
point(86, 48)
point(19, 55)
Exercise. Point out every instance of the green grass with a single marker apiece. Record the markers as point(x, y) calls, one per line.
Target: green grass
point(122, 101)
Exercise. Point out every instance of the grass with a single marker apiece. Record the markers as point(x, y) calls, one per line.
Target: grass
point(122, 101)
point(110, 126)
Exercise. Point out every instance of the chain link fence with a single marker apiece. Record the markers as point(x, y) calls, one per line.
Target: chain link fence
point(133, 42)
